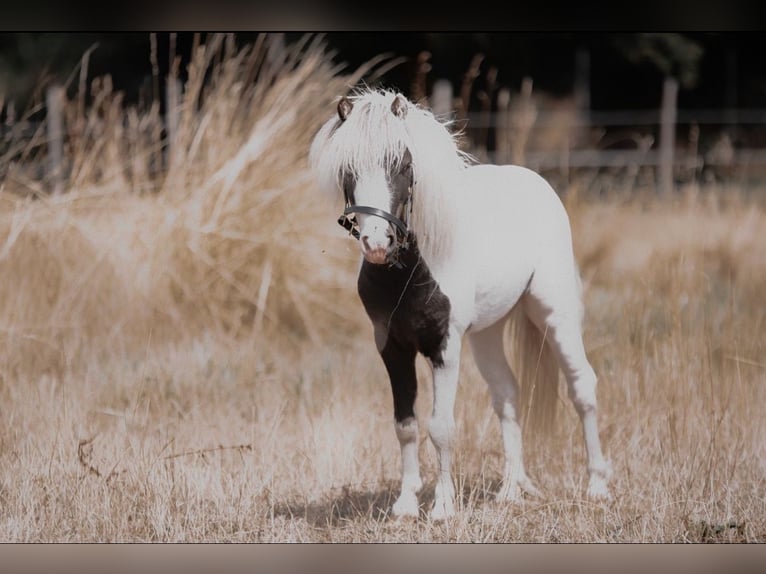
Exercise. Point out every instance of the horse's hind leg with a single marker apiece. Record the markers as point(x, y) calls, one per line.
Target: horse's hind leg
point(400, 364)
point(489, 354)
point(558, 314)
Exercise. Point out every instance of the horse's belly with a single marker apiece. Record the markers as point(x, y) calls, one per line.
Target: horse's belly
point(497, 291)
point(513, 225)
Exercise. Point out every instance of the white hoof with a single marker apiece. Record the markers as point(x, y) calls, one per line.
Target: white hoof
point(444, 500)
point(512, 491)
point(509, 493)
point(406, 506)
point(442, 510)
point(530, 489)
point(598, 489)
point(598, 485)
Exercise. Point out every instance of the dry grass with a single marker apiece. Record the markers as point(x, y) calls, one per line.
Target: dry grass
point(183, 356)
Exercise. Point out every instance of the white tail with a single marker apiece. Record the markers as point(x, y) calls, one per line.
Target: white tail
point(537, 371)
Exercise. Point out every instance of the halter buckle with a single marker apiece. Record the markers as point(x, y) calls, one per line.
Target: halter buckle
point(349, 224)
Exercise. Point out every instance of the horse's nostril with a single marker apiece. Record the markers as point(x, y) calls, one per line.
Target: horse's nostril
point(390, 240)
point(365, 242)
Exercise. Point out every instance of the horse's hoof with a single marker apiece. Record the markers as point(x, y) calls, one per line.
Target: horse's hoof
point(598, 485)
point(509, 493)
point(405, 507)
point(514, 490)
point(598, 489)
point(442, 511)
point(531, 489)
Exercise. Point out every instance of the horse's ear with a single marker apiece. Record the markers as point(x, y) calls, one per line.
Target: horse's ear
point(344, 108)
point(399, 107)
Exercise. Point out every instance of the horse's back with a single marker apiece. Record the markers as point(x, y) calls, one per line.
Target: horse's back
point(521, 230)
point(520, 202)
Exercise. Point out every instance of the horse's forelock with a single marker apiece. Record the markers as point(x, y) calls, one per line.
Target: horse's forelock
point(374, 135)
point(371, 136)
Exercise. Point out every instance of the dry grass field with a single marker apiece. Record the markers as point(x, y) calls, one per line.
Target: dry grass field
point(183, 356)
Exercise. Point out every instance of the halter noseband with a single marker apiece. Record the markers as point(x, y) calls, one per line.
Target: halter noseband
point(401, 228)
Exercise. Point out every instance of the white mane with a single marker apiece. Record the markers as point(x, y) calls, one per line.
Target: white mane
point(373, 136)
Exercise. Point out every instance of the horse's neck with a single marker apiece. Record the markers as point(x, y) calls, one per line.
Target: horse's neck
point(439, 224)
point(438, 257)
point(452, 267)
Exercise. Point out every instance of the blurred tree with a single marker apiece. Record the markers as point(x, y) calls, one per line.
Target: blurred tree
point(675, 55)
point(678, 58)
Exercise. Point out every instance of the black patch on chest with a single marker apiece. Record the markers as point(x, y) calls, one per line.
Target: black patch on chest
point(408, 302)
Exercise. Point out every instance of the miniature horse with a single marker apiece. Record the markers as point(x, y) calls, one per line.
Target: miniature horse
point(451, 249)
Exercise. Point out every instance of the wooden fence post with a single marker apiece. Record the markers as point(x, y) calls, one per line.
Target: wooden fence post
point(503, 132)
point(173, 93)
point(418, 86)
point(442, 99)
point(523, 118)
point(578, 133)
point(667, 134)
point(582, 84)
point(54, 101)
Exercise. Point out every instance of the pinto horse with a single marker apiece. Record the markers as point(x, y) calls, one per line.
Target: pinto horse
point(451, 249)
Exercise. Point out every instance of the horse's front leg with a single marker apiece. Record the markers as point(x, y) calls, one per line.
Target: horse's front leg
point(446, 367)
point(400, 363)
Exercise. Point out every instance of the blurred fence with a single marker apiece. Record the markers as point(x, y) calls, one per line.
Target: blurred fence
point(633, 132)
point(663, 148)
point(557, 137)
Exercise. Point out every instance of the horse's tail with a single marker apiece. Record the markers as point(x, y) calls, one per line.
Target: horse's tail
point(537, 371)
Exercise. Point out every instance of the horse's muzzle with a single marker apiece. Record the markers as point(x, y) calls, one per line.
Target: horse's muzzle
point(377, 255)
point(398, 236)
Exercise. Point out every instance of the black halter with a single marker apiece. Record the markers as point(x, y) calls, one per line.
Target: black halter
point(401, 228)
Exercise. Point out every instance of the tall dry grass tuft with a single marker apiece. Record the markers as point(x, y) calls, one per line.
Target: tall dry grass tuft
point(240, 215)
point(213, 230)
